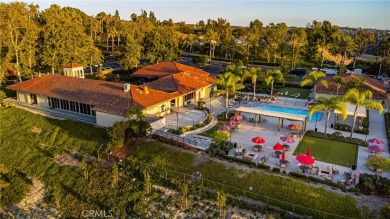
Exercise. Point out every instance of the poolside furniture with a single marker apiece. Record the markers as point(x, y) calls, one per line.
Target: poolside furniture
point(258, 147)
point(314, 170)
point(335, 170)
point(277, 154)
point(293, 95)
point(298, 95)
point(285, 162)
point(250, 156)
point(286, 93)
point(263, 159)
point(286, 147)
point(240, 151)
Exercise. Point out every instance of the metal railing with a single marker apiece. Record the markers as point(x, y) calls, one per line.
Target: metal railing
point(186, 123)
point(197, 142)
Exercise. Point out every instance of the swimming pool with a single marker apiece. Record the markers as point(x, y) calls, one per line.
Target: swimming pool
point(315, 117)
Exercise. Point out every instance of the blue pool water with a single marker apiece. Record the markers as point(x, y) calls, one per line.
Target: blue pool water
point(315, 117)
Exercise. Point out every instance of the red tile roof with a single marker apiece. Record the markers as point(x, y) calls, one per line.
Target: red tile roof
point(377, 88)
point(164, 69)
point(72, 65)
point(105, 96)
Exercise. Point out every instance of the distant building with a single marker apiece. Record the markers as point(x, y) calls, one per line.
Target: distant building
point(105, 102)
point(74, 70)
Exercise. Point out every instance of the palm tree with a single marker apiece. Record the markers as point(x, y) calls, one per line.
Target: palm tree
point(230, 83)
point(345, 45)
point(358, 98)
point(212, 38)
point(315, 77)
point(327, 104)
point(271, 76)
point(238, 71)
point(254, 73)
point(338, 81)
point(190, 41)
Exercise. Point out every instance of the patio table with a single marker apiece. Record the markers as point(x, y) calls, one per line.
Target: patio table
point(284, 161)
point(286, 147)
point(304, 168)
point(278, 153)
point(258, 147)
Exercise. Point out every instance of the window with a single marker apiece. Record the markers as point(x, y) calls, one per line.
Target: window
point(163, 108)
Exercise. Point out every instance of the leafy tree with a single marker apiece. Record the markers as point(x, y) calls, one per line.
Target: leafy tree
point(271, 76)
point(328, 104)
point(230, 83)
point(315, 78)
point(359, 98)
point(362, 39)
point(384, 51)
point(220, 136)
point(161, 44)
point(338, 81)
point(275, 38)
point(117, 133)
point(20, 32)
point(297, 38)
point(132, 53)
point(377, 162)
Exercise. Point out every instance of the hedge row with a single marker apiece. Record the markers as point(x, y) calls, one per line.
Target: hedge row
point(338, 137)
point(247, 162)
point(318, 180)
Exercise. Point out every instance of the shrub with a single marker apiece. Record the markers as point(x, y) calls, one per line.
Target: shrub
point(276, 170)
point(355, 141)
point(2, 96)
point(374, 184)
point(263, 166)
point(385, 211)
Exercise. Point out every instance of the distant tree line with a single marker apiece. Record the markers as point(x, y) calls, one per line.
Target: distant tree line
point(33, 40)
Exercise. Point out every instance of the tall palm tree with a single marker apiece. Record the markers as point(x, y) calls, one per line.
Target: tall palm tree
point(327, 104)
point(254, 73)
point(359, 98)
point(315, 77)
point(213, 39)
point(190, 41)
point(230, 83)
point(345, 45)
point(338, 81)
point(271, 76)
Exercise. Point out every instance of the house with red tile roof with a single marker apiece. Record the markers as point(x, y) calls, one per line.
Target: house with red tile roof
point(106, 102)
point(74, 70)
point(376, 86)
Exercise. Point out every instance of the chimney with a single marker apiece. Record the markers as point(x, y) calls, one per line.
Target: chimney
point(126, 87)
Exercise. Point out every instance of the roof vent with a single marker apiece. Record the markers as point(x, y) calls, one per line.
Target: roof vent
point(126, 87)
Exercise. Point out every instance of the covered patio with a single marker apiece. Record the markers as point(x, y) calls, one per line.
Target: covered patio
point(361, 113)
point(280, 115)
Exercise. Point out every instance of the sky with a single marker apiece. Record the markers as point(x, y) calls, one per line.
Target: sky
point(365, 14)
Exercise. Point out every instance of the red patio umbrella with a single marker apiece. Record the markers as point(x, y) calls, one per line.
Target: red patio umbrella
point(232, 123)
point(224, 128)
point(287, 139)
point(258, 140)
point(278, 147)
point(306, 158)
point(283, 156)
point(375, 141)
point(236, 117)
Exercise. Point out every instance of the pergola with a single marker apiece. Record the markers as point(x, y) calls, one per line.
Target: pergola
point(280, 115)
point(361, 112)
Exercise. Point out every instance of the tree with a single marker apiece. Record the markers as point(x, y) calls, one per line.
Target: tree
point(161, 44)
point(220, 136)
point(315, 78)
point(213, 39)
point(359, 98)
point(238, 70)
point(377, 162)
point(137, 126)
point(190, 41)
point(230, 83)
point(362, 39)
point(221, 202)
point(344, 45)
point(271, 76)
point(254, 73)
point(297, 38)
point(275, 38)
point(328, 104)
point(132, 53)
point(384, 51)
point(338, 81)
point(20, 32)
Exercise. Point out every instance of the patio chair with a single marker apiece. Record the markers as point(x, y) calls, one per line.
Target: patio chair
point(299, 94)
point(335, 170)
point(286, 93)
point(283, 165)
point(293, 95)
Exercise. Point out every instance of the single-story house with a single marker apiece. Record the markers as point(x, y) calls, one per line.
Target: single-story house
point(107, 102)
point(376, 86)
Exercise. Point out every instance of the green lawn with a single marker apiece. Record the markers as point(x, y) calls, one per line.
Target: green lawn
point(209, 132)
point(329, 151)
point(293, 90)
point(289, 190)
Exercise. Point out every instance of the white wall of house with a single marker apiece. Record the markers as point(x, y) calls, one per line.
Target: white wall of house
point(153, 110)
point(106, 120)
point(23, 97)
point(42, 100)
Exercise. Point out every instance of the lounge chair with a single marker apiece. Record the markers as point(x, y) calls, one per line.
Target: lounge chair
point(298, 95)
point(286, 93)
point(293, 95)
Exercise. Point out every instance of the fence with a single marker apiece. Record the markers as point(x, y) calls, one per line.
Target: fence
point(197, 142)
point(186, 123)
point(239, 193)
